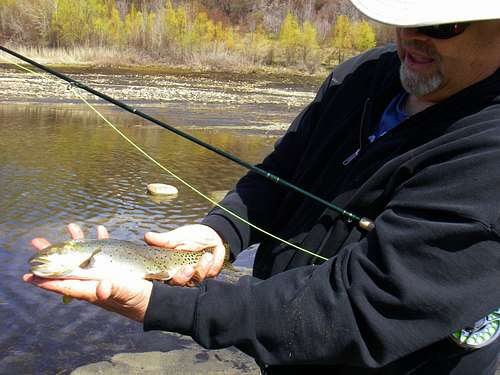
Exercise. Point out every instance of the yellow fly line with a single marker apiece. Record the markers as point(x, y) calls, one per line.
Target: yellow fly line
point(145, 154)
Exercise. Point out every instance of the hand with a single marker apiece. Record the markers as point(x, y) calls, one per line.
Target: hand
point(192, 238)
point(129, 298)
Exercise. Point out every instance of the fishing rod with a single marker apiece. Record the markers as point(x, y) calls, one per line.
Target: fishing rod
point(362, 222)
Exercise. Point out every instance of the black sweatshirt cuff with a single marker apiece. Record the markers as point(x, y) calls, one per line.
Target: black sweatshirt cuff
point(171, 308)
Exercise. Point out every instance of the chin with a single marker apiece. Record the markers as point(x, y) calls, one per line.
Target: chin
point(420, 84)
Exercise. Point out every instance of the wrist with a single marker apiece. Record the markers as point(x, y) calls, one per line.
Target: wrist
point(171, 308)
point(143, 303)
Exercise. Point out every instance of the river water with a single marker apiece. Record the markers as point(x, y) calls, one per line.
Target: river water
point(60, 163)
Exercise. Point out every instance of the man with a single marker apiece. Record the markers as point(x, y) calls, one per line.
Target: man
point(410, 138)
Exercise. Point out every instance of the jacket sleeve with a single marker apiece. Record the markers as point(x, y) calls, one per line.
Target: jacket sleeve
point(429, 267)
point(255, 198)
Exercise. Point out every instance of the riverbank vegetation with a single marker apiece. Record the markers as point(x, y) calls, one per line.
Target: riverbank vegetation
point(225, 35)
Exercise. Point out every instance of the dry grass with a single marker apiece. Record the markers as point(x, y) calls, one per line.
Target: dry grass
point(83, 55)
point(222, 60)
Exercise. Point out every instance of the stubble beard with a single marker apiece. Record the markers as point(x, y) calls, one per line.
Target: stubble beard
point(417, 84)
point(421, 84)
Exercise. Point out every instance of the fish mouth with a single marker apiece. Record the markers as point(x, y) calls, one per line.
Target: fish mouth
point(37, 258)
point(42, 267)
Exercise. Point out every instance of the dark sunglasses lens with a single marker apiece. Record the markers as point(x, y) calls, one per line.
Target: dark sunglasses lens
point(445, 31)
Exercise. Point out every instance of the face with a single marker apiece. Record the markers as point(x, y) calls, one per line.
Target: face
point(434, 69)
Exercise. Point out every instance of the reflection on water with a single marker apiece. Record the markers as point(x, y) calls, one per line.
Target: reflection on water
point(58, 164)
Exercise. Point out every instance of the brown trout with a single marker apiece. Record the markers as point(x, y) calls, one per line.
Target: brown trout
point(102, 259)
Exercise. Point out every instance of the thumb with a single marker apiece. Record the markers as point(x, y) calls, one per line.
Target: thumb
point(104, 290)
point(160, 239)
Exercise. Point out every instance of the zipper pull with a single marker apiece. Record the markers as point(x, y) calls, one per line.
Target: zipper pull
point(352, 157)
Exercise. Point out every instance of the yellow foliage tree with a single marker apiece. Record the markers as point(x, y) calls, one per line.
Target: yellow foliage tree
point(176, 27)
point(342, 36)
point(149, 34)
point(289, 37)
point(364, 36)
point(219, 35)
point(73, 21)
point(232, 39)
point(309, 42)
point(134, 27)
point(203, 31)
point(175, 30)
point(108, 28)
point(116, 27)
point(258, 45)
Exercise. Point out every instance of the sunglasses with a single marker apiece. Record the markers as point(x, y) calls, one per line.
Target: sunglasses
point(444, 31)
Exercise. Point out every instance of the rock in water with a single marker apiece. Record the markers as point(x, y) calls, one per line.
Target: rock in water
point(162, 189)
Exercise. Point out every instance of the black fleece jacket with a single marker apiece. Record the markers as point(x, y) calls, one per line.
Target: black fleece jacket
point(385, 301)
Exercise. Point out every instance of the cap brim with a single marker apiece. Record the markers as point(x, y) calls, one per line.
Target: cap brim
point(413, 13)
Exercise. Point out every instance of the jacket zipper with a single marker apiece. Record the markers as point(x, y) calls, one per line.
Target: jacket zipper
point(366, 112)
point(352, 157)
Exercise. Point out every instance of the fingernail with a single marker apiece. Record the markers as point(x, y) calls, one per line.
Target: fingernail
point(188, 271)
point(206, 259)
point(151, 235)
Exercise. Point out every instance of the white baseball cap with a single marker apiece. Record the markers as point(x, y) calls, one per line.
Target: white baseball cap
point(414, 13)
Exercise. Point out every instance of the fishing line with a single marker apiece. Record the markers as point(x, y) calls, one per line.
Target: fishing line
point(362, 222)
point(149, 157)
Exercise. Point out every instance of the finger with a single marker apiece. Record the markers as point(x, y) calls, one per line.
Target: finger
point(161, 239)
point(129, 298)
point(182, 277)
point(79, 289)
point(40, 243)
point(121, 290)
point(104, 290)
point(202, 268)
point(28, 277)
point(102, 232)
point(219, 255)
point(175, 239)
point(75, 231)
point(168, 240)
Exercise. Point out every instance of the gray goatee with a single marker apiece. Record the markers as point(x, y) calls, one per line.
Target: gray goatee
point(417, 85)
point(421, 84)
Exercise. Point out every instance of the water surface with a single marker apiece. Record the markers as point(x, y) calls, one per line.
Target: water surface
point(60, 163)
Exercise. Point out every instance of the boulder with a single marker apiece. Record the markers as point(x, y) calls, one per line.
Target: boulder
point(162, 189)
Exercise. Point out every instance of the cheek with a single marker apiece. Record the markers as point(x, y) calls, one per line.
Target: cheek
point(467, 57)
point(450, 61)
point(462, 69)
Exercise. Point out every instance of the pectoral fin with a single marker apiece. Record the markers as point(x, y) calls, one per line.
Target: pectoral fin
point(67, 299)
point(86, 263)
point(160, 276)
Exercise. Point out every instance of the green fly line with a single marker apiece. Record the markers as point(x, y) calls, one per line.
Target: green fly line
point(177, 177)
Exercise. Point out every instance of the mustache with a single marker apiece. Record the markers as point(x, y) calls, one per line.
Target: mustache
point(421, 47)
